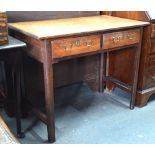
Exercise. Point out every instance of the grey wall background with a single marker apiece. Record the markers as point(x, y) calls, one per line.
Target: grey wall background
point(17, 16)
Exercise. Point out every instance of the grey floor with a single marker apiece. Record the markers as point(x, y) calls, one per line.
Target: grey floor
point(85, 117)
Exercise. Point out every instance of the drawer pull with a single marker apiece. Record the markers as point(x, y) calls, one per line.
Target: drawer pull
point(70, 45)
point(116, 39)
point(130, 36)
point(153, 78)
point(64, 46)
point(77, 43)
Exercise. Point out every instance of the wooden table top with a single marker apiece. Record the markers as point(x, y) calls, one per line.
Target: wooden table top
point(72, 26)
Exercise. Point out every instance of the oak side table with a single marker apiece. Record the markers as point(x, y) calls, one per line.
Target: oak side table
point(51, 41)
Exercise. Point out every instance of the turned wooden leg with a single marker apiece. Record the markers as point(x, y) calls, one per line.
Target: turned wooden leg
point(135, 78)
point(49, 94)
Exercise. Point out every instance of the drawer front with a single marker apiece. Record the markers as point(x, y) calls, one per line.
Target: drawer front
point(74, 46)
point(118, 39)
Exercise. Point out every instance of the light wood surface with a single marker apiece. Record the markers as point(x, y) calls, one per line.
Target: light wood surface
point(64, 27)
point(6, 137)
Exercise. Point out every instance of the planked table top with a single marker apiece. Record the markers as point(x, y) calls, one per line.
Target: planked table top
point(72, 26)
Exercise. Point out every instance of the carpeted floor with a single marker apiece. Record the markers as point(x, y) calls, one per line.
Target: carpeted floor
point(85, 117)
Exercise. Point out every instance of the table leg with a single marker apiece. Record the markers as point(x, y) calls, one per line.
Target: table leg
point(20, 134)
point(135, 78)
point(49, 101)
point(101, 74)
point(49, 94)
point(17, 87)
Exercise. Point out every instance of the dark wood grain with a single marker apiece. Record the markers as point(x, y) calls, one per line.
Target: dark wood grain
point(33, 46)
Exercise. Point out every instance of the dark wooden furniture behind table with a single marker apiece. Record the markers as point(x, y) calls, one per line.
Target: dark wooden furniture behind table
point(146, 80)
point(11, 55)
point(52, 41)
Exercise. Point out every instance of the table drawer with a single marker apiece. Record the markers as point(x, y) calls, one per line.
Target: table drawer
point(74, 46)
point(118, 39)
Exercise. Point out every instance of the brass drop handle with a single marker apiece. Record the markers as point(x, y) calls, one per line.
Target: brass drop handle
point(116, 39)
point(88, 45)
point(70, 45)
point(77, 43)
point(130, 36)
point(63, 46)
